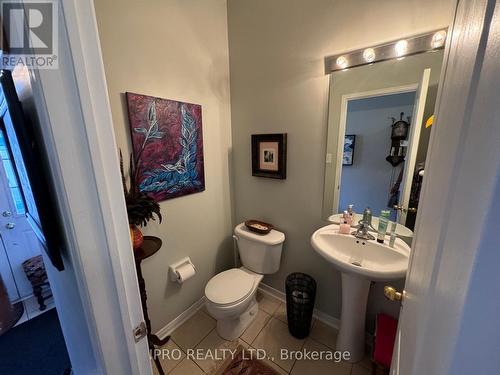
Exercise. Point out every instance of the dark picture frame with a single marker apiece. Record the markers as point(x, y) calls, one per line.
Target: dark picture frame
point(349, 146)
point(269, 155)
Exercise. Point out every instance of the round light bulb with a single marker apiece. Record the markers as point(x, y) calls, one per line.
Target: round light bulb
point(401, 47)
point(341, 62)
point(438, 39)
point(369, 54)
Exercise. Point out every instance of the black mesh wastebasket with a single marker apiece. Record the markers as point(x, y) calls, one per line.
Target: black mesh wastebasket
point(300, 294)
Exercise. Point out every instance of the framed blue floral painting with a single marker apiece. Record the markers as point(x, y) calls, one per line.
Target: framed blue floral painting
point(167, 143)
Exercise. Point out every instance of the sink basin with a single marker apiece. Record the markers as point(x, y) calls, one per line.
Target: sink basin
point(360, 262)
point(369, 259)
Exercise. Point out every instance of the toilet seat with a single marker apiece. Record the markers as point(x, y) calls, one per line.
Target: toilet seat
point(229, 287)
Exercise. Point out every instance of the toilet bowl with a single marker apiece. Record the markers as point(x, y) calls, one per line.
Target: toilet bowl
point(231, 295)
point(231, 300)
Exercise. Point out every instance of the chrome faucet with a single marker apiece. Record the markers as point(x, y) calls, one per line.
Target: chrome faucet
point(364, 225)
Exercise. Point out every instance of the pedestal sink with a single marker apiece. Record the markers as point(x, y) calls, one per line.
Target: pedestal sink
point(360, 262)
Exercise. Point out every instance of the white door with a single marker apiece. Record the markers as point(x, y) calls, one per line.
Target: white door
point(413, 139)
point(449, 316)
point(18, 241)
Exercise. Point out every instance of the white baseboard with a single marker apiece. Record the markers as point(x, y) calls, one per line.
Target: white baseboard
point(270, 291)
point(177, 322)
point(318, 314)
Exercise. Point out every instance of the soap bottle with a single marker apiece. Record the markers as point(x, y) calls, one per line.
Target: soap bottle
point(345, 227)
point(367, 216)
point(383, 220)
point(352, 214)
point(392, 239)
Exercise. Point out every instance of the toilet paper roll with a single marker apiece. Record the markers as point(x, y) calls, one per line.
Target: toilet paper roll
point(184, 272)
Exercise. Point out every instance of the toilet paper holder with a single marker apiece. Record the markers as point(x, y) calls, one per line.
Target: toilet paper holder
point(174, 276)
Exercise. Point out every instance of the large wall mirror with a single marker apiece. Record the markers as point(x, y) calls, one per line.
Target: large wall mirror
point(379, 126)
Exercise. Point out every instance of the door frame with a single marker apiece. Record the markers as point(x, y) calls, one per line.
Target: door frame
point(413, 144)
point(75, 118)
point(346, 98)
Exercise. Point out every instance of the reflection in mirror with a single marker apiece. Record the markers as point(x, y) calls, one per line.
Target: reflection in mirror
point(378, 134)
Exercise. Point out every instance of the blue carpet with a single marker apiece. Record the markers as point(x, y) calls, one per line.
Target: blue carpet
point(35, 347)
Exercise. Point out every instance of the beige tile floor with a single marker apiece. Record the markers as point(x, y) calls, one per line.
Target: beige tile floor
point(268, 331)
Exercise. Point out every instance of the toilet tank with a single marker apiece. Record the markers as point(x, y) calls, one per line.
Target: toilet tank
point(259, 253)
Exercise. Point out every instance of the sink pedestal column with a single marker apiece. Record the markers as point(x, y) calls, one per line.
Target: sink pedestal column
point(351, 336)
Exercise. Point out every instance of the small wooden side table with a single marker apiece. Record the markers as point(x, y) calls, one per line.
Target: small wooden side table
point(148, 248)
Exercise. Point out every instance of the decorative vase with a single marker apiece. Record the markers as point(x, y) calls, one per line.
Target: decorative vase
point(136, 236)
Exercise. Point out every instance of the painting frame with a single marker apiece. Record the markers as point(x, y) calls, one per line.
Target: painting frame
point(348, 149)
point(269, 155)
point(167, 146)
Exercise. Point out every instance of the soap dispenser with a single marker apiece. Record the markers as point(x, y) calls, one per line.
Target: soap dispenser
point(345, 227)
point(367, 216)
point(352, 214)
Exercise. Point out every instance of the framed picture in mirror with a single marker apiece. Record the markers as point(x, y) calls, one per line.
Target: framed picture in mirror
point(349, 143)
point(269, 155)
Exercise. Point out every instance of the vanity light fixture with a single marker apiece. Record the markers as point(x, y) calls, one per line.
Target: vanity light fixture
point(401, 47)
point(369, 54)
point(396, 49)
point(341, 62)
point(438, 39)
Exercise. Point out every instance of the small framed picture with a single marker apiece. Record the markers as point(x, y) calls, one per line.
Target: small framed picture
point(348, 156)
point(269, 155)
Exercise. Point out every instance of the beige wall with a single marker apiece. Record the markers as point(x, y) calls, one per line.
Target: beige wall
point(177, 50)
point(278, 85)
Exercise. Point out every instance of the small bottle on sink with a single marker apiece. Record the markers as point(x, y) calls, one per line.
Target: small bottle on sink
point(383, 220)
point(352, 214)
point(345, 227)
point(392, 238)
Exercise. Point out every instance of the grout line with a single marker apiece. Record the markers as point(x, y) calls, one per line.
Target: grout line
point(197, 365)
point(313, 324)
point(244, 340)
point(271, 298)
point(301, 347)
point(320, 343)
point(178, 363)
point(264, 326)
point(288, 372)
point(204, 337)
point(271, 317)
point(186, 358)
point(206, 314)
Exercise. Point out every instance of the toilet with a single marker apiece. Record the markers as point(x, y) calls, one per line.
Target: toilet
point(231, 295)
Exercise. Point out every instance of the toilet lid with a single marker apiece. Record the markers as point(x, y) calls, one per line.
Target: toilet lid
point(229, 286)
